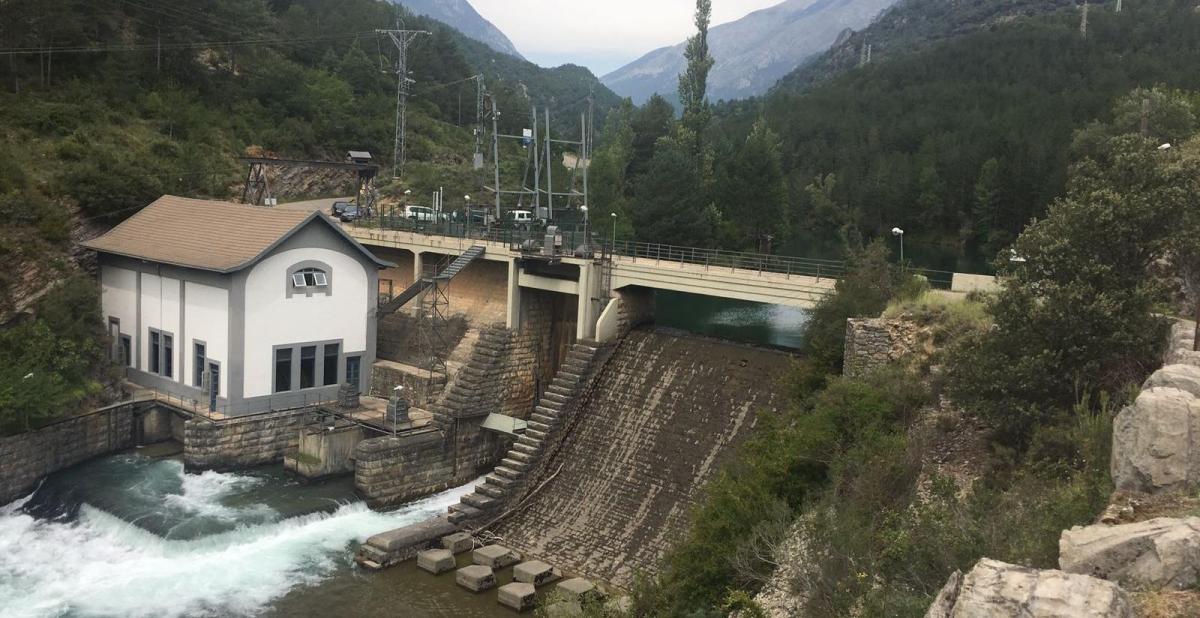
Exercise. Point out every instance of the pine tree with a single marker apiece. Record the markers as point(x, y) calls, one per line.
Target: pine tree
point(693, 83)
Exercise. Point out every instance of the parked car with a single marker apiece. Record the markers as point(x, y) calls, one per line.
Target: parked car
point(354, 213)
point(422, 214)
point(340, 207)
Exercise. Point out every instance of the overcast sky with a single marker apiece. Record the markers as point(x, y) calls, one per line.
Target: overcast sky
point(602, 35)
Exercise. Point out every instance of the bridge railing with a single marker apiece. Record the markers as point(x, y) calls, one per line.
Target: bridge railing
point(733, 260)
point(573, 238)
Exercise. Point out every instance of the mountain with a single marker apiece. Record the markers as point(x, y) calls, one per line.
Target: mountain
point(911, 25)
point(464, 18)
point(751, 53)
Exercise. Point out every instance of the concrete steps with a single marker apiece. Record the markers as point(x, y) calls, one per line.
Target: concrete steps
point(507, 479)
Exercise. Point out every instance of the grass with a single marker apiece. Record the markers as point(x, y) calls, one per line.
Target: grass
point(950, 315)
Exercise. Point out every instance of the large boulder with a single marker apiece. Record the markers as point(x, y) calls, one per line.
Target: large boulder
point(1156, 441)
point(1179, 345)
point(995, 589)
point(1163, 552)
point(1183, 377)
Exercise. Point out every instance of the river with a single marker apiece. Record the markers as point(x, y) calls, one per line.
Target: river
point(130, 535)
point(735, 320)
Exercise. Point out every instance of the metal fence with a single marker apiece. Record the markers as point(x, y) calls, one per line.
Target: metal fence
point(599, 245)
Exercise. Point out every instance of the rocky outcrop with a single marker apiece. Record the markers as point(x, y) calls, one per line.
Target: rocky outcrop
point(1154, 442)
point(1180, 344)
point(1163, 552)
point(1182, 377)
point(994, 588)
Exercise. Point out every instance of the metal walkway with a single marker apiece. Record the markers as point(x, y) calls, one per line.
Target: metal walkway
point(422, 284)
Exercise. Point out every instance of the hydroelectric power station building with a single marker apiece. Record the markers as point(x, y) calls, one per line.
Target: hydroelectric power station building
point(240, 308)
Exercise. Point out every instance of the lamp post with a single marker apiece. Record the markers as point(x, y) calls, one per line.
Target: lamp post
point(900, 233)
point(467, 199)
point(614, 238)
point(587, 243)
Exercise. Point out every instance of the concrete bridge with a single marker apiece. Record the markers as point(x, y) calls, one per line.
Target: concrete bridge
point(594, 282)
point(599, 282)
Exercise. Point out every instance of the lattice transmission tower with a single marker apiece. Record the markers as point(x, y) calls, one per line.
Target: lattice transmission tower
point(401, 38)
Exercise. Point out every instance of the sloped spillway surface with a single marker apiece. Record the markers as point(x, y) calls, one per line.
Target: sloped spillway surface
point(666, 408)
point(131, 536)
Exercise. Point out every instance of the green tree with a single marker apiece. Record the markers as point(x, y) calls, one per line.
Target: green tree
point(1076, 307)
point(651, 122)
point(693, 82)
point(754, 194)
point(670, 202)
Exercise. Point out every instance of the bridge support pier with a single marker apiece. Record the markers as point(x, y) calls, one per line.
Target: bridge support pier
point(585, 326)
point(512, 314)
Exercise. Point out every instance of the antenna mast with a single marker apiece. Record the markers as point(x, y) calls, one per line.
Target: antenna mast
point(401, 38)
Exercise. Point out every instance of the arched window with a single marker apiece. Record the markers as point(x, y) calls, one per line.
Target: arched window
point(308, 278)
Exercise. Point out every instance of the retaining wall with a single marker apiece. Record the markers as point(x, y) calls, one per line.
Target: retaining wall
point(872, 343)
point(27, 458)
point(242, 442)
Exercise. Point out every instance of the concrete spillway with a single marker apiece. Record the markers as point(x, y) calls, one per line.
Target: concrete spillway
point(664, 411)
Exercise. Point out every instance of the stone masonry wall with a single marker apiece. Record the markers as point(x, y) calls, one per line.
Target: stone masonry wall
point(27, 458)
point(241, 442)
point(875, 342)
point(665, 411)
point(506, 373)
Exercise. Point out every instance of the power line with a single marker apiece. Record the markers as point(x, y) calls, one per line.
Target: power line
point(86, 49)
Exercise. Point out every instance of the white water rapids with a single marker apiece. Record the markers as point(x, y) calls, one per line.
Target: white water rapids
point(97, 564)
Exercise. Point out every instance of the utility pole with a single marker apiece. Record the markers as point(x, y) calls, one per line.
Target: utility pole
point(537, 166)
point(401, 38)
point(480, 90)
point(1083, 23)
point(496, 151)
point(549, 171)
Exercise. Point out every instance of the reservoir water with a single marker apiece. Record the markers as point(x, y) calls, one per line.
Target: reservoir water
point(129, 535)
point(736, 320)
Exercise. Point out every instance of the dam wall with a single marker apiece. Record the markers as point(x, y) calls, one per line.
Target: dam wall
point(665, 409)
point(242, 441)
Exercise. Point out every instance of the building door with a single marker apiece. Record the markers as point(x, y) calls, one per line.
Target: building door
point(354, 372)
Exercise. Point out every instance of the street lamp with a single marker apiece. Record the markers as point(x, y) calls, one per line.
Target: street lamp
point(586, 239)
point(614, 240)
point(900, 233)
point(467, 200)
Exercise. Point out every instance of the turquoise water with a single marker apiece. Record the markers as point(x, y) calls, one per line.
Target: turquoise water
point(736, 320)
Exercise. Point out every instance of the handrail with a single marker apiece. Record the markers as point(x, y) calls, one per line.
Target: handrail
point(635, 250)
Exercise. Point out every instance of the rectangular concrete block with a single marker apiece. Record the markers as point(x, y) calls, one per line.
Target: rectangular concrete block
point(577, 589)
point(435, 561)
point(534, 572)
point(458, 542)
point(518, 596)
point(475, 578)
point(495, 556)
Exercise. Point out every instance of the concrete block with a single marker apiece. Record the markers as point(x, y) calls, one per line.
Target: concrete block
point(519, 596)
point(534, 572)
point(435, 560)
point(458, 542)
point(495, 556)
point(577, 589)
point(475, 578)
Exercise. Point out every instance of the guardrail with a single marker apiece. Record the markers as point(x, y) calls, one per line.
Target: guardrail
point(574, 238)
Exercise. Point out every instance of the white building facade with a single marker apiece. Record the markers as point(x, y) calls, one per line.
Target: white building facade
point(241, 309)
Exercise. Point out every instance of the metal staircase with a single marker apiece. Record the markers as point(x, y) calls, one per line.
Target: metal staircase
point(423, 283)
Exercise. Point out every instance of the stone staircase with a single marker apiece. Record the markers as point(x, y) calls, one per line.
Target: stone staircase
point(549, 416)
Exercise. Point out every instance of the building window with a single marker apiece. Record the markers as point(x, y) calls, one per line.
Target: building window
point(330, 375)
point(168, 356)
point(283, 370)
point(155, 351)
point(199, 359)
point(308, 366)
point(353, 371)
point(126, 350)
point(310, 278)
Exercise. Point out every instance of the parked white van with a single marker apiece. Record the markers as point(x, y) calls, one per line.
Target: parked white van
point(423, 214)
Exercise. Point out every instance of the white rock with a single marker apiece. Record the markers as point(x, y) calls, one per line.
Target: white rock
point(996, 589)
point(1183, 377)
point(1156, 442)
point(1163, 552)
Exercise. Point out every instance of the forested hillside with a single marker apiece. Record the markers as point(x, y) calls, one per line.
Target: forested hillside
point(970, 139)
point(107, 105)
